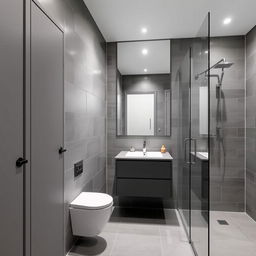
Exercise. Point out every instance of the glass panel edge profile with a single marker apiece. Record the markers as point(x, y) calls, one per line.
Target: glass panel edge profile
point(200, 176)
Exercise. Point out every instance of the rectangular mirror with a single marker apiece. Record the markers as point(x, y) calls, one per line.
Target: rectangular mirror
point(144, 88)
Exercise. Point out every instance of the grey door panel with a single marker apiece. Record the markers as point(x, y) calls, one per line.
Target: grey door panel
point(46, 136)
point(11, 127)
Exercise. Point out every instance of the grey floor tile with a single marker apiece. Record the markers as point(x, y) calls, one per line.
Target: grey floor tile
point(182, 249)
point(139, 229)
point(129, 234)
point(233, 247)
point(236, 239)
point(174, 241)
point(100, 245)
point(137, 245)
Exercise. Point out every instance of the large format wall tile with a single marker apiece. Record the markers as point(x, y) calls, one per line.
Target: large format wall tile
point(251, 123)
point(227, 181)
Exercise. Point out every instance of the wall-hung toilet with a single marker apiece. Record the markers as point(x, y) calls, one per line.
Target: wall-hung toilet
point(90, 212)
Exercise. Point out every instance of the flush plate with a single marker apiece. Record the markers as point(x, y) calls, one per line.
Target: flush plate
point(78, 168)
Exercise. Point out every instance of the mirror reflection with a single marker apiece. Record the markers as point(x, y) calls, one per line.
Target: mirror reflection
point(144, 88)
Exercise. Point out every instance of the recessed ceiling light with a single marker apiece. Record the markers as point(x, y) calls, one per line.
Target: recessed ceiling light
point(206, 52)
point(226, 21)
point(145, 51)
point(144, 30)
point(145, 70)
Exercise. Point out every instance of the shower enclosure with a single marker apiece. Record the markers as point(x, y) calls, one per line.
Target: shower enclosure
point(215, 195)
point(193, 162)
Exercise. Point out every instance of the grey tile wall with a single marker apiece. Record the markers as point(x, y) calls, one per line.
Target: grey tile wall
point(227, 170)
point(251, 123)
point(85, 100)
point(116, 144)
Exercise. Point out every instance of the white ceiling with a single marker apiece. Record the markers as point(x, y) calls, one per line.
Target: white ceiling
point(131, 61)
point(121, 20)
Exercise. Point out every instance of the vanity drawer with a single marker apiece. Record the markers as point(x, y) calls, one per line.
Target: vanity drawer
point(144, 188)
point(145, 169)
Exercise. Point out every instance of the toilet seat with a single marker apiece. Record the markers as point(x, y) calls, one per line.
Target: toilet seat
point(92, 201)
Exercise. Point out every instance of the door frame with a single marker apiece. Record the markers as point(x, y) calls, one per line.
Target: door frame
point(27, 118)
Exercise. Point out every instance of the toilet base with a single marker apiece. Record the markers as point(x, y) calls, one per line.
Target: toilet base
point(89, 223)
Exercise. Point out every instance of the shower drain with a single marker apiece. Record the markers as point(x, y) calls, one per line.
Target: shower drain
point(222, 222)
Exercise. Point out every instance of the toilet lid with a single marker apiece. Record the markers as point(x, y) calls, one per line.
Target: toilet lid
point(92, 200)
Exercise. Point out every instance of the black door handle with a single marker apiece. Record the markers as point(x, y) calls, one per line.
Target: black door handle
point(21, 161)
point(62, 150)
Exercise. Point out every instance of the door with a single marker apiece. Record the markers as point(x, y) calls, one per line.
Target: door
point(140, 114)
point(11, 127)
point(47, 167)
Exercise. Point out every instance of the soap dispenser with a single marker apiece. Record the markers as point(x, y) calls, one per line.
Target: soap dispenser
point(163, 149)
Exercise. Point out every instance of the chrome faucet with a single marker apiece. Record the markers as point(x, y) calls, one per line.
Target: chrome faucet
point(144, 148)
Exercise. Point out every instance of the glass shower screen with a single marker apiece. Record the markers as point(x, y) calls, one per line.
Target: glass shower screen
point(193, 137)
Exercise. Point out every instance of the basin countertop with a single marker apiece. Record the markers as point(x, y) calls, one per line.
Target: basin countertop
point(122, 155)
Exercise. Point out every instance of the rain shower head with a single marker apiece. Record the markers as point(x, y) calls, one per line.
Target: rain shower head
point(224, 64)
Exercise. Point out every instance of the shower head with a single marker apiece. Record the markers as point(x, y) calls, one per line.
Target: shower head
point(224, 64)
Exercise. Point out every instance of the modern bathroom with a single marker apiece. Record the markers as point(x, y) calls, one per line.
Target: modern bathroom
point(128, 128)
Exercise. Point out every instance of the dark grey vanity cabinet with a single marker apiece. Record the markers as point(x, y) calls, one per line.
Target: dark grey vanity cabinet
point(143, 178)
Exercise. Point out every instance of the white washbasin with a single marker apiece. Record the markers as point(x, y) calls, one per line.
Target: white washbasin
point(148, 154)
point(134, 154)
point(154, 154)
